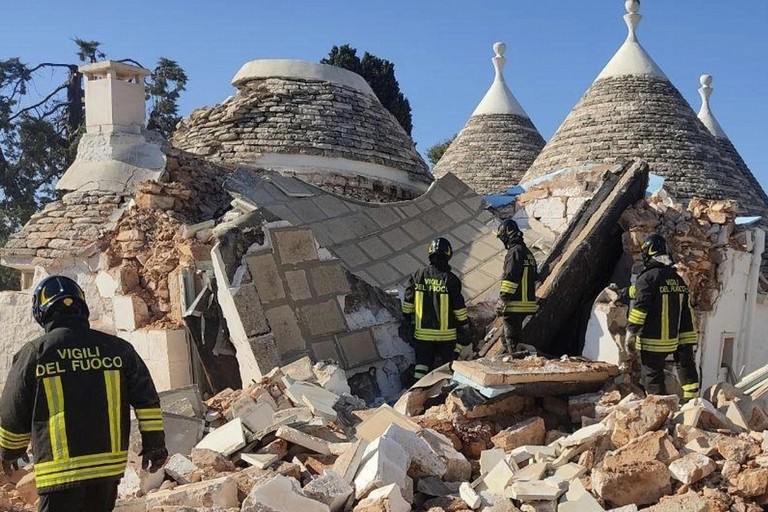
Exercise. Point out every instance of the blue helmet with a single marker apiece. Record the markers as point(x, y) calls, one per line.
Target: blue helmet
point(58, 291)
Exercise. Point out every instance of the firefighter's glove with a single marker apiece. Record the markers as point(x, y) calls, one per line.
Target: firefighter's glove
point(464, 335)
point(405, 331)
point(11, 465)
point(153, 459)
point(501, 307)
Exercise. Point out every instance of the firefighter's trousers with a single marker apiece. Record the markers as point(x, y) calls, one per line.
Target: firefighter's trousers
point(90, 497)
point(652, 371)
point(431, 355)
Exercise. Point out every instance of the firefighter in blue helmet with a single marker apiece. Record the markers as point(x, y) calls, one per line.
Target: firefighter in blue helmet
point(434, 313)
point(517, 298)
point(69, 393)
point(662, 322)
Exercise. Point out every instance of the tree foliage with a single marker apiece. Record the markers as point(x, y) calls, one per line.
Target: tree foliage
point(380, 75)
point(39, 132)
point(436, 152)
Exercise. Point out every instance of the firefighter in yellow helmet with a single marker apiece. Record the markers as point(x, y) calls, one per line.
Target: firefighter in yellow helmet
point(69, 392)
point(662, 322)
point(434, 313)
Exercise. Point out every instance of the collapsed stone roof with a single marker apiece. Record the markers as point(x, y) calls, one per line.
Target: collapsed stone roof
point(633, 111)
point(498, 143)
point(301, 116)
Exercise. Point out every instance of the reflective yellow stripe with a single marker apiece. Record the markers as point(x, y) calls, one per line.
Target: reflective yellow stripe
point(688, 338)
point(444, 309)
point(82, 461)
point(114, 408)
point(521, 307)
point(407, 308)
point(154, 413)
point(665, 317)
point(56, 423)
point(691, 387)
point(508, 286)
point(525, 284)
point(151, 425)
point(458, 349)
point(632, 292)
point(419, 308)
point(422, 367)
point(78, 475)
point(637, 316)
point(12, 441)
point(654, 345)
point(435, 335)
point(461, 314)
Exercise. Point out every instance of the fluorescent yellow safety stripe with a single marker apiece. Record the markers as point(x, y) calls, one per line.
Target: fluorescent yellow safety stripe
point(422, 367)
point(82, 461)
point(688, 338)
point(508, 286)
point(151, 426)
point(419, 308)
point(637, 316)
point(435, 335)
point(525, 284)
point(153, 413)
point(521, 307)
point(407, 308)
point(114, 407)
point(444, 309)
point(691, 387)
point(12, 441)
point(56, 423)
point(461, 314)
point(633, 292)
point(665, 317)
point(78, 475)
point(458, 349)
point(655, 345)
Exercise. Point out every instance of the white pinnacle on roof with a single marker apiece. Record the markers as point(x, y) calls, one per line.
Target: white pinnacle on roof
point(499, 99)
point(705, 114)
point(632, 59)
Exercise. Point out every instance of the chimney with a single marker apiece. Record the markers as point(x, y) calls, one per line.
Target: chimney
point(114, 97)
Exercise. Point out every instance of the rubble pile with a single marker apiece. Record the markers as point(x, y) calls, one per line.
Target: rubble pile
point(298, 438)
point(697, 234)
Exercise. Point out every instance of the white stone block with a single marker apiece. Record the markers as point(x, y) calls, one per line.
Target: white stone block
point(225, 440)
point(219, 492)
point(391, 498)
point(256, 416)
point(424, 461)
point(106, 284)
point(180, 468)
point(130, 312)
point(330, 489)
point(470, 497)
point(384, 462)
point(281, 494)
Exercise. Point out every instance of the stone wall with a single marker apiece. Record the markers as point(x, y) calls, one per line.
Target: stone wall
point(304, 117)
point(643, 117)
point(492, 152)
point(18, 327)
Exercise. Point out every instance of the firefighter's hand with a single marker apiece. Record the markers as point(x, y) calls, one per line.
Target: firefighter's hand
point(153, 459)
point(464, 336)
point(10, 467)
point(501, 307)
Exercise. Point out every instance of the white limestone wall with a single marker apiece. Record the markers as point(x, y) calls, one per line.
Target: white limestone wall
point(18, 327)
point(757, 353)
point(726, 318)
point(599, 344)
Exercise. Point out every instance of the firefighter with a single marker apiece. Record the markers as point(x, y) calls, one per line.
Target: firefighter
point(434, 314)
point(69, 393)
point(662, 322)
point(517, 298)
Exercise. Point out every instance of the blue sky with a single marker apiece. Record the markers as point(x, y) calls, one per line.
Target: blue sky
point(441, 49)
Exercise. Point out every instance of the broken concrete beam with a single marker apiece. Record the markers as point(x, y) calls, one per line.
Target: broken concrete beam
point(219, 492)
point(180, 469)
point(348, 462)
point(583, 436)
point(330, 489)
point(528, 432)
point(640, 483)
point(298, 437)
point(226, 439)
point(280, 494)
point(470, 497)
point(497, 372)
point(384, 462)
point(692, 467)
point(385, 499)
point(424, 461)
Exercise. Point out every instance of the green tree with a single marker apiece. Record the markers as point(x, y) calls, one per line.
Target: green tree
point(436, 152)
point(380, 75)
point(39, 132)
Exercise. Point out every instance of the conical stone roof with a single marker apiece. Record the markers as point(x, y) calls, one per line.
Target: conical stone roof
point(498, 143)
point(753, 200)
point(308, 118)
point(632, 110)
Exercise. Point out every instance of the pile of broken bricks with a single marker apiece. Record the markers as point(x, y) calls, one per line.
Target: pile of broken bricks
point(298, 441)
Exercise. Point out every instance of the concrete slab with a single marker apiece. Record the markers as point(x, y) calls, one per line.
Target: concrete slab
point(192, 395)
point(259, 460)
point(281, 494)
point(294, 245)
point(375, 248)
point(294, 436)
point(397, 239)
point(180, 468)
point(182, 433)
point(226, 439)
point(219, 492)
point(323, 317)
point(256, 416)
point(298, 285)
point(329, 279)
point(265, 276)
point(358, 348)
point(377, 423)
point(285, 328)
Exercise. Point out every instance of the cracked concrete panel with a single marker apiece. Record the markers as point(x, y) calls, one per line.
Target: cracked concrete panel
point(329, 279)
point(248, 304)
point(307, 211)
point(298, 284)
point(285, 328)
point(324, 317)
point(351, 255)
point(324, 350)
point(384, 216)
point(457, 212)
point(419, 231)
point(294, 245)
point(266, 277)
point(385, 274)
point(406, 263)
point(358, 348)
point(437, 220)
point(331, 206)
point(336, 229)
point(375, 248)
